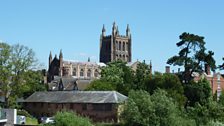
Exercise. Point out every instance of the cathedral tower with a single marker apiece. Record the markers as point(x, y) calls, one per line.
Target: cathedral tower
point(115, 46)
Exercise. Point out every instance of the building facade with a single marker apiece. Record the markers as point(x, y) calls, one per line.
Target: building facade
point(78, 70)
point(216, 80)
point(100, 106)
point(115, 46)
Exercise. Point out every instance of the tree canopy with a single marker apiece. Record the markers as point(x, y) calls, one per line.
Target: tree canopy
point(192, 55)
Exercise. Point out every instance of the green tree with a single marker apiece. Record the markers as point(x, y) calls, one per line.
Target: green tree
point(70, 119)
point(141, 75)
point(101, 85)
point(221, 98)
point(158, 109)
point(16, 61)
point(33, 83)
point(169, 83)
point(192, 55)
point(5, 71)
point(118, 74)
point(198, 92)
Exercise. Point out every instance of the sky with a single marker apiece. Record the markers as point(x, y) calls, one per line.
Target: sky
point(74, 26)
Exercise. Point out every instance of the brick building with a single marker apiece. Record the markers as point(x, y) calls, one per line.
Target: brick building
point(216, 80)
point(115, 46)
point(97, 105)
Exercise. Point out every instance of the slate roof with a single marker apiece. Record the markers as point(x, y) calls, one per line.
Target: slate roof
point(68, 83)
point(77, 97)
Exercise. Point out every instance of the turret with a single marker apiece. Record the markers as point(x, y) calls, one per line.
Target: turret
point(50, 59)
point(128, 33)
point(103, 31)
point(114, 29)
point(117, 31)
point(60, 62)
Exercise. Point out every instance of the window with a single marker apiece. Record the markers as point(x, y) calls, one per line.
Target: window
point(96, 73)
point(123, 46)
point(89, 73)
point(81, 73)
point(124, 57)
point(74, 72)
point(119, 45)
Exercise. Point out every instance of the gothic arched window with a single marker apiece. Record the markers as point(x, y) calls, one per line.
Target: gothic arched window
point(96, 73)
point(81, 73)
point(123, 46)
point(74, 72)
point(89, 73)
point(119, 45)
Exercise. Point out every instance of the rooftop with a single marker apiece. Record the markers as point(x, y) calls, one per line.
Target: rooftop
point(77, 97)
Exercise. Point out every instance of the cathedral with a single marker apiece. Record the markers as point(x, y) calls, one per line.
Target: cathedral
point(72, 75)
point(115, 46)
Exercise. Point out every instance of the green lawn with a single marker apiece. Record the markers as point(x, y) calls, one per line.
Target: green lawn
point(31, 121)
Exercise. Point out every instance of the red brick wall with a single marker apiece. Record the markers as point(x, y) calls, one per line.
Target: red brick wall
point(50, 109)
point(213, 80)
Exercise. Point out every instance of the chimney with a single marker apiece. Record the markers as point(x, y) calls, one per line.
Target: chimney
point(167, 69)
point(207, 69)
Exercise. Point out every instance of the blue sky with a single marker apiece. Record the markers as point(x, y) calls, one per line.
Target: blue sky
point(75, 26)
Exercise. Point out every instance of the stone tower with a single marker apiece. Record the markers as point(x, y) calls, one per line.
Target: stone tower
point(115, 46)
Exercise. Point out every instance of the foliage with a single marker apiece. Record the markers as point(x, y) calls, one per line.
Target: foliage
point(70, 119)
point(157, 109)
point(203, 114)
point(192, 55)
point(142, 73)
point(100, 85)
point(23, 112)
point(17, 62)
point(168, 82)
point(118, 74)
point(198, 92)
point(221, 98)
point(31, 121)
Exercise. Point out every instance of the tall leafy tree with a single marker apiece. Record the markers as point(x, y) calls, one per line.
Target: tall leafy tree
point(192, 55)
point(168, 82)
point(141, 75)
point(118, 74)
point(5, 71)
point(143, 109)
point(16, 69)
point(198, 92)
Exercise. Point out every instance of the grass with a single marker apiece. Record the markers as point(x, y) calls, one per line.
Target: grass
point(31, 121)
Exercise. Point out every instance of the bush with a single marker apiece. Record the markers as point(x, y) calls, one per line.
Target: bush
point(70, 119)
point(24, 113)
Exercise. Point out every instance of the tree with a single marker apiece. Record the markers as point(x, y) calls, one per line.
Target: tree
point(168, 82)
point(158, 109)
point(5, 70)
point(118, 74)
point(17, 62)
point(198, 92)
point(33, 83)
point(192, 55)
point(142, 73)
point(221, 98)
point(101, 85)
point(70, 119)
